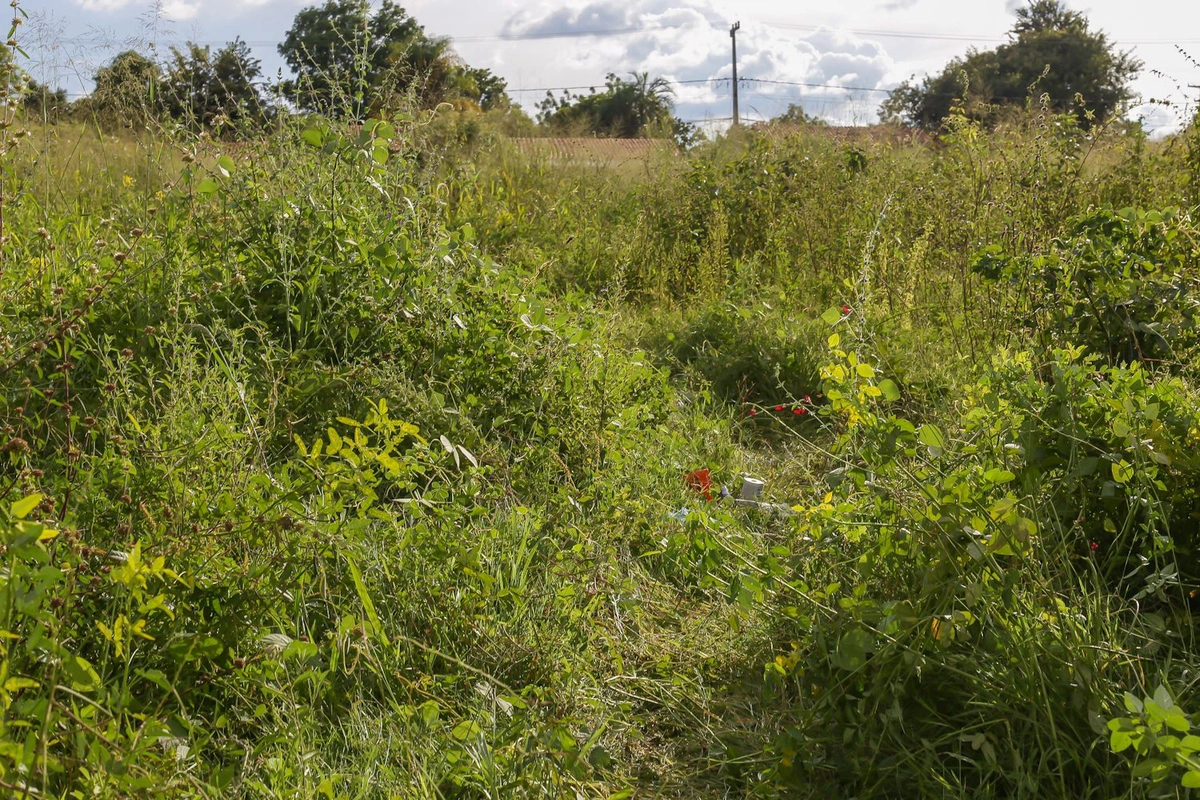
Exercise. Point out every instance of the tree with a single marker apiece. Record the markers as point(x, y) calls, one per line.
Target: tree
point(128, 90)
point(209, 90)
point(625, 109)
point(12, 77)
point(1052, 53)
point(349, 62)
point(486, 88)
point(43, 103)
point(796, 115)
point(340, 53)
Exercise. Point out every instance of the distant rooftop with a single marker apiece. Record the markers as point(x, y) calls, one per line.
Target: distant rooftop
point(589, 151)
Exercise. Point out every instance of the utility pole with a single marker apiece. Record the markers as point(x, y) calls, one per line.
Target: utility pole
point(733, 29)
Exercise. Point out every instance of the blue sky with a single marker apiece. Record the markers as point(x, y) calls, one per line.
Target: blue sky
point(835, 58)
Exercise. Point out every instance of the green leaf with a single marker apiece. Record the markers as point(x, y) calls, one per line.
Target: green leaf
point(225, 166)
point(157, 677)
point(80, 673)
point(831, 316)
point(865, 370)
point(891, 392)
point(998, 476)
point(1176, 721)
point(22, 508)
point(1132, 704)
point(467, 729)
point(1155, 769)
point(1191, 779)
point(931, 436)
point(1122, 472)
point(429, 712)
point(1162, 696)
point(314, 136)
point(206, 187)
point(17, 684)
point(365, 598)
point(1119, 741)
point(852, 650)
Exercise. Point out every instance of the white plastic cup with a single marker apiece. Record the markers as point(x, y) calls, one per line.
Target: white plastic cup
point(751, 489)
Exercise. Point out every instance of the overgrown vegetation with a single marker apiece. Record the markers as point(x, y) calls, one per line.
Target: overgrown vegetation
point(382, 460)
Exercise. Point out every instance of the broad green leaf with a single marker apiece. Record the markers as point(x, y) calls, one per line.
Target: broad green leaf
point(931, 436)
point(865, 371)
point(22, 508)
point(831, 316)
point(891, 392)
point(1119, 741)
point(1155, 769)
point(467, 729)
point(225, 166)
point(429, 712)
point(80, 674)
point(313, 136)
point(1176, 721)
point(206, 187)
point(1191, 779)
point(1122, 472)
point(157, 677)
point(998, 476)
point(852, 650)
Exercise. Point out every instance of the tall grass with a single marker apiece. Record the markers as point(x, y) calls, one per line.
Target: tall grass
point(330, 474)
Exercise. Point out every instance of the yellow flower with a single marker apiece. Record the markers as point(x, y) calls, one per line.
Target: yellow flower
point(127, 180)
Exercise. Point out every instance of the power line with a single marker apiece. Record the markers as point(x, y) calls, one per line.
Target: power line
point(592, 87)
point(514, 36)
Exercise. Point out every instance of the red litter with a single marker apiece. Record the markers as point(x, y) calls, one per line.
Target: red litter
point(700, 481)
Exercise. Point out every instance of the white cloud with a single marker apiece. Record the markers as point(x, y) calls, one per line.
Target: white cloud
point(103, 5)
point(180, 10)
point(689, 41)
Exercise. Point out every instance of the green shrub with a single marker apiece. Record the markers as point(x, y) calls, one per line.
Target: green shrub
point(1121, 283)
point(745, 354)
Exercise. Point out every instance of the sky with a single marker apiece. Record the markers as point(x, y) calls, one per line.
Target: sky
point(836, 59)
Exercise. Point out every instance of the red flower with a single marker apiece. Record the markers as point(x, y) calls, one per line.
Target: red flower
point(1095, 546)
point(754, 412)
point(797, 410)
point(801, 410)
point(807, 399)
point(779, 408)
point(845, 309)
